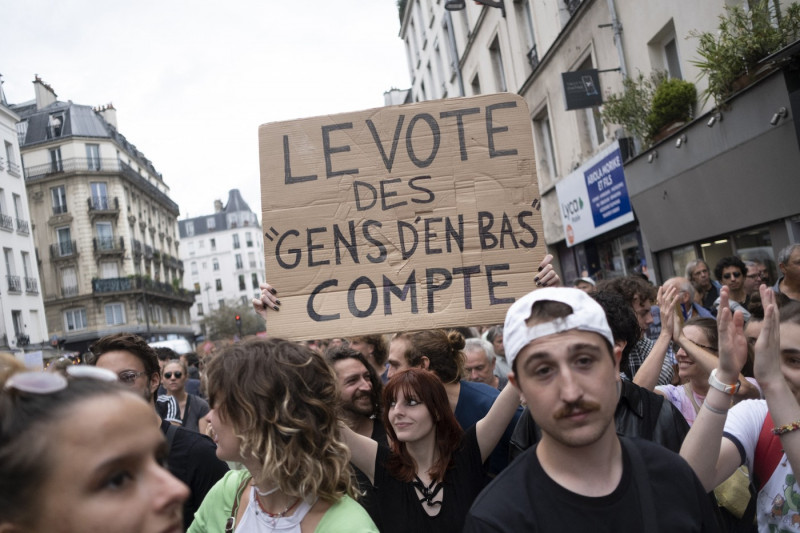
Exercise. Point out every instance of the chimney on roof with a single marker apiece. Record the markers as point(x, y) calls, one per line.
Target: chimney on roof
point(109, 114)
point(45, 95)
point(218, 206)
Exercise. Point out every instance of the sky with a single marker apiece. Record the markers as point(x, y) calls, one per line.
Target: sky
point(193, 80)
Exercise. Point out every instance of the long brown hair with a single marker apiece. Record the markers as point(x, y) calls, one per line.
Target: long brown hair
point(427, 388)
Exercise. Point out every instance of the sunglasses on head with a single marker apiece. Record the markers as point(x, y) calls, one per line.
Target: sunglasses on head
point(178, 374)
point(50, 382)
point(734, 275)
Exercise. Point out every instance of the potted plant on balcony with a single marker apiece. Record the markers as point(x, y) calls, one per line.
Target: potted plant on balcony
point(672, 106)
point(631, 107)
point(729, 58)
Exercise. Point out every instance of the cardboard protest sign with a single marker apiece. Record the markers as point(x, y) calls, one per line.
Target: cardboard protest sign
point(404, 217)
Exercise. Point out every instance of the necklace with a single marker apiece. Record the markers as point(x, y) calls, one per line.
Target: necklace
point(276, 516)
point(429, 492)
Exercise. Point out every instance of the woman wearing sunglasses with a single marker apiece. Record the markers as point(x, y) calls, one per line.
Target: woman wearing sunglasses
point(80, 453)
point(192, 409)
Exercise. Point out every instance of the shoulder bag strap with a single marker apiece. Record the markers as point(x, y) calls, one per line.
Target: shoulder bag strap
point(688, 388)
point(641, 481)
point(171, 431)
point(230, 524)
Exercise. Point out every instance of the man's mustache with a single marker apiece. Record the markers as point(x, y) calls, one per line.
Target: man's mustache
point(581, 406)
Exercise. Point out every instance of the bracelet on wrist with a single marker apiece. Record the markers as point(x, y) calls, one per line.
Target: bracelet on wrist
point(723, 387)
point(715, 410)
point(786, 428)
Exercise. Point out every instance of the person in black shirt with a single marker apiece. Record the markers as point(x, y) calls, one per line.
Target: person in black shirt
point(581, 475)
point(431, 472)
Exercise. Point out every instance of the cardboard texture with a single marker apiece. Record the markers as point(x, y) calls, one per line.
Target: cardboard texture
point(397, 218)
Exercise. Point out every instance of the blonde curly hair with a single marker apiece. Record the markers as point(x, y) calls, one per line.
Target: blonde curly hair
point(281, 397)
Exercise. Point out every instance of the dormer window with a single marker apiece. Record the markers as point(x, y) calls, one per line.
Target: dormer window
point(55, 125)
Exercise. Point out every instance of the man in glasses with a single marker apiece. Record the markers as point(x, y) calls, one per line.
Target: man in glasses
point(192, 456)
point(732, 273)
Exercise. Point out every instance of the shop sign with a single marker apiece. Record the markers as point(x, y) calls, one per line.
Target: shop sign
point(594, 198)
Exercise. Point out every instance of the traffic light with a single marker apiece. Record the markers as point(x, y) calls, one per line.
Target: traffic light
point(239, 324)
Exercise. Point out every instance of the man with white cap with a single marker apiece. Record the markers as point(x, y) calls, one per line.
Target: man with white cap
point(581, 476)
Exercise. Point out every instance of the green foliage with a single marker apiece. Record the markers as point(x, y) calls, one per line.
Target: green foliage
point(632, 107)
point(221, 324)
point(673, 101)
point(744, 37)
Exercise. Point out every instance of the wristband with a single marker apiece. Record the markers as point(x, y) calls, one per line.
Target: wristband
point(723, 387)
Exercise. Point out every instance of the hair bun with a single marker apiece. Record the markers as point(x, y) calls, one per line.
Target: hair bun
point(456, 340)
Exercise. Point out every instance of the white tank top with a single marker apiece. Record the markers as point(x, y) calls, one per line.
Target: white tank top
point(254, 520)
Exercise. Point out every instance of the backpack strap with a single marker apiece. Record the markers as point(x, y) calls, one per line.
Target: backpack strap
point(768, 454)
point(641, 480)
point(171, 431)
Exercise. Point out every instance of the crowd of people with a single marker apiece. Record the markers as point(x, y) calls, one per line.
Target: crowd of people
point(612, 405)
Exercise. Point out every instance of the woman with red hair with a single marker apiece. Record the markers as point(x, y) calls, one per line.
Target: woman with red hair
point(432, 471)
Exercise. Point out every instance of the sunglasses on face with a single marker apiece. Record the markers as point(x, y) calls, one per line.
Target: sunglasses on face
point(168, 375)
point(734, 275)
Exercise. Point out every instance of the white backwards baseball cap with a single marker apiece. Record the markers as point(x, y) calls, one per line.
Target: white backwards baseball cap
point(587, 315)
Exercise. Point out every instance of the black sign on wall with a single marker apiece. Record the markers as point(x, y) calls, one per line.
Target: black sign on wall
point(581, 89)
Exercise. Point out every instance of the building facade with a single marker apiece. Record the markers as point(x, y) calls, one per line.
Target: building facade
point(224, 252)
point(525, 46)
point(22, 320)
point(104, 225)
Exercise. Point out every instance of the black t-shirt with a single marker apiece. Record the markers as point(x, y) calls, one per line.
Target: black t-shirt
point(398, 509)
point(193, 459)
point(524, 498)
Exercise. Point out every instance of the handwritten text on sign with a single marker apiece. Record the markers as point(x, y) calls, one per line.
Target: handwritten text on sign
point(401, 217)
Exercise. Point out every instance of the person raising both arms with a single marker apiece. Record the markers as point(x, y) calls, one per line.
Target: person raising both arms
point(761, 434)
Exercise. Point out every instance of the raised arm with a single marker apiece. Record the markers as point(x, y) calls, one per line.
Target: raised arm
point(770, 356)
point(707, 362)
point(647, 375)
point(713, 458)
point(363, 450)
point(490, 428)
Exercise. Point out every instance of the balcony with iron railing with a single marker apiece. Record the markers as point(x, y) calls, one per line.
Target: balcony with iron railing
point(108, 245)
point(137, 246)
point(6, 222)
point(14, 284)
point(140, 284)
point(533, 57)
point(68, 292)
point(22, 227)
point(572, 6)
point(63, 250)
point(13, 169)
point(31, 285)
point(84, 164)
point(103, 205)
point(2, 163)
point(148, 252)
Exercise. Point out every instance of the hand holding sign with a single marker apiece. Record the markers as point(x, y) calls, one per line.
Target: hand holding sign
point(416, 216)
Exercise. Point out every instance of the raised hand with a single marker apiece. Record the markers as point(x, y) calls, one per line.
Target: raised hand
point(767, 366)
point(267, 300)
point(732, 342)
point(547, 276)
